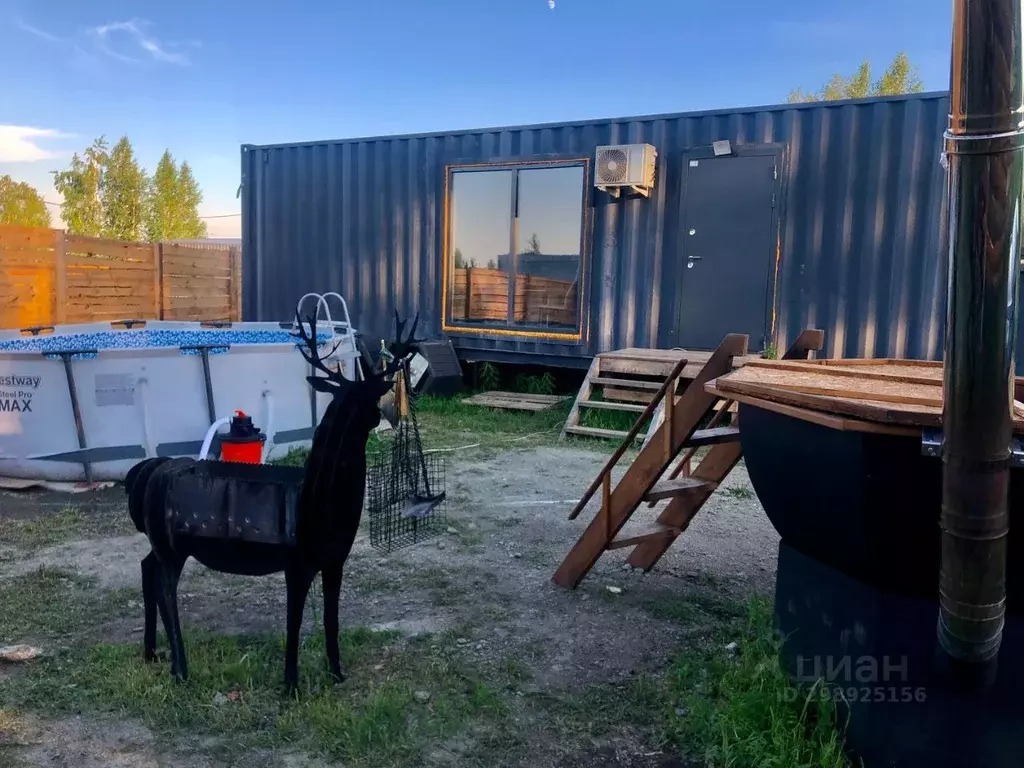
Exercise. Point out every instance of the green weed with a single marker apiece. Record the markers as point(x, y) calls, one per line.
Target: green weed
point(397, 698)
point(738, 492)
point(490, 376)
point(53, 605)
point(69, 523)
point(740, 709)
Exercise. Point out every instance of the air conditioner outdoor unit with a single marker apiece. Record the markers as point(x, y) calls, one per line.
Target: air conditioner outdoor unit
point(625, 165)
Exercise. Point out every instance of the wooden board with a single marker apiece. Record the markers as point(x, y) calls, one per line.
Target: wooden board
point(841, 423)
point(904, 393)
point(515, 401)
point(887, 371)
point(638, 361)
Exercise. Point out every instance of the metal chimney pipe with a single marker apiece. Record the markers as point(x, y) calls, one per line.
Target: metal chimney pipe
point(984, 145)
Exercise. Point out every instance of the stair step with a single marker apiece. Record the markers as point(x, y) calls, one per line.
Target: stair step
point(654, 386)
point(667, 489)
point(650, 531)
point(595, 432)
point(713, 437)
point(608, 406)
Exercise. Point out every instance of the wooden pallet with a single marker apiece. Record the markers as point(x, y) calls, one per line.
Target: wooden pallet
point(652, 478)
point(627, 380)
point(516, 401)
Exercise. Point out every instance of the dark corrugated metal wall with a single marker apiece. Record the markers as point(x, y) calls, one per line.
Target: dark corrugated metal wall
point(860, 250)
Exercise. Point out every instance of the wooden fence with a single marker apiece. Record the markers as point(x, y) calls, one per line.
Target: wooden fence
point(48, 277)
point(482, 294)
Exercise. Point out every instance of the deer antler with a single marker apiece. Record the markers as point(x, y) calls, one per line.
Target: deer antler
point(311, 351)
point(401, 348)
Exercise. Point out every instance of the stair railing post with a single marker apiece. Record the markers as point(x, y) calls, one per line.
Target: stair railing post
point(626, 443)
point(670, 407)
point(606, 505)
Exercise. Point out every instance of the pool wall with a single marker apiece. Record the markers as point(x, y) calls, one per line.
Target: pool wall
point(149, 400)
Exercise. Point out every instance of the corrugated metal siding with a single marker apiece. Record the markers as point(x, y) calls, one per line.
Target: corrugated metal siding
point(860, 250)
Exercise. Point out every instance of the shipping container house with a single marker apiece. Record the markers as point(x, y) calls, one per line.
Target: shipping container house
point(819, 215)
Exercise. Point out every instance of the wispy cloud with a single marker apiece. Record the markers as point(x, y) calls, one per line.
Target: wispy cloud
point(42, 34)
point(22, 144)
point(130, 41)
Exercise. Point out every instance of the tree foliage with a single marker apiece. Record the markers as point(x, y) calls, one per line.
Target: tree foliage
point(899, 77)
point(123, 194)
point(109, 194)
point(81, 185)
point(162, 222)
point(189, 198)
point(174, 196)
point(21, 204)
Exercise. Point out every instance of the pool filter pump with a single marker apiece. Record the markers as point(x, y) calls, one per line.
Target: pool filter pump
point(243, 442)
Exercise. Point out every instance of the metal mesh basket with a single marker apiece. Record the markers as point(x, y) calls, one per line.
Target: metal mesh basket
point(405, 486)
point(393, 494)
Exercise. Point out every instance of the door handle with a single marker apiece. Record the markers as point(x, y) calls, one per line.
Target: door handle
point(690, 260)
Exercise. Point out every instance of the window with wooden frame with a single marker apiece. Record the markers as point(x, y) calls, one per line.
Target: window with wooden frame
point(515, 248)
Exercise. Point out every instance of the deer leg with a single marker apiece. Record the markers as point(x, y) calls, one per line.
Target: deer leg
point(298, 579)
point(331, 576)
point(170, 573)
point(150, 596)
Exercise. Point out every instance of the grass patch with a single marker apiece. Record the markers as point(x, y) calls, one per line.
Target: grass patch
point(741, 709)
point(447, 423)
point(695, 607)
point(718, 707)
point(605, 709)
point(622, 421)
point(673, 609)
point(738, 492)
point(380, 716)
point(56, 605)
point(69, 523)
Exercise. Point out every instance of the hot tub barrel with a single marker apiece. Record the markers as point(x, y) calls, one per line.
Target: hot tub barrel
point(857, 592)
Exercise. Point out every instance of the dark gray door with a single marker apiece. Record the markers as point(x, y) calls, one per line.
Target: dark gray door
point(728, 248)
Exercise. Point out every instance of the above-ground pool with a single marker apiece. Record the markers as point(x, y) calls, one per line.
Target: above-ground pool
point(86, 402)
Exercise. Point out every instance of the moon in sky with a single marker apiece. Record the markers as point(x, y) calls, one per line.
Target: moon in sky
point(551, 4)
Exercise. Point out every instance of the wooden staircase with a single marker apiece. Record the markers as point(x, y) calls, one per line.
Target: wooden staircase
point(627, 380)
point(652, 478)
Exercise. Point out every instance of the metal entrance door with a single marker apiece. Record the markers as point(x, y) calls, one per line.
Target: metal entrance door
point(728, 247)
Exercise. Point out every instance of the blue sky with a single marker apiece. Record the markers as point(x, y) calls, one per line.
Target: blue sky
point(201, 78)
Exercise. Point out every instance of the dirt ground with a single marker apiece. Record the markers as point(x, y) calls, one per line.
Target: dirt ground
point(488, 579)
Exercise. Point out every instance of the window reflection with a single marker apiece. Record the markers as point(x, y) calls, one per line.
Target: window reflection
point(481, 221)
point(548, 247)
point(543, 268)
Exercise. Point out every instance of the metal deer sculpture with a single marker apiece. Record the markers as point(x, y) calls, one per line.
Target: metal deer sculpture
point(258, 519)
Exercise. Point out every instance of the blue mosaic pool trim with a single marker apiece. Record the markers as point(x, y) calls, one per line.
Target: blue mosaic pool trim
point(145, 339)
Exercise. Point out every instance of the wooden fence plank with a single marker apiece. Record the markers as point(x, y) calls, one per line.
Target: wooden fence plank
point(79, 261)
point(199, 301)
point(47, 277)
point(12, 236)
point(158, 281)
point(60, 279)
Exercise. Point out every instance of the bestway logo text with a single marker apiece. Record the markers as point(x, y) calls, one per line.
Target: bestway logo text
point(20, 381)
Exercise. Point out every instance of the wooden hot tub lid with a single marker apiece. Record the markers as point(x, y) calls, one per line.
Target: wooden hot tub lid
point(905, 395)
